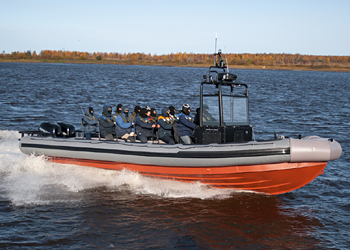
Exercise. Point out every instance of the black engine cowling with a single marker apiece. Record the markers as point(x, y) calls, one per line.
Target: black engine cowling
point(50, 128)
point(68, 130)
point(61, 129)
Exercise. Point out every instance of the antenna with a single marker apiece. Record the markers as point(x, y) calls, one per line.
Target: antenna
point(228, 71)
point(82, 110)
point(216, 41)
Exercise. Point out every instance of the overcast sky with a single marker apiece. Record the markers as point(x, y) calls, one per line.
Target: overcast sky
point(163, 27)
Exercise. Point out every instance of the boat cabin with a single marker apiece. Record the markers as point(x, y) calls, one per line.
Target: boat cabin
point(224, 107)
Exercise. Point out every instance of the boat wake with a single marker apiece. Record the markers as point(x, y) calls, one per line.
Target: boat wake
point(26, 180)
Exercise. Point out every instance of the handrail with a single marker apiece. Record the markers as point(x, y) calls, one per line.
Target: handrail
point(82, 127)
point(99, 132)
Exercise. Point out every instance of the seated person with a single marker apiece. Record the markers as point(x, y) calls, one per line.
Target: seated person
point(206, 115)
point(185, 125)
point(196, 117)
point(172, 112)
point(135, 113)
point(166, 124)
point(89, 122)
point(118, 111)
point(173, 116)
point(107, 123)
point(125, 128)
point(154, 116)
point(143, 126)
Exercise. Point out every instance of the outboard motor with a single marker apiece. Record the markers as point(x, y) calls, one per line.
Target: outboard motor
point(68, 130)
point(50, 128)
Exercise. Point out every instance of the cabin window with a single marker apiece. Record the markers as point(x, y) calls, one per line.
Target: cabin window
point(235, 110)
point(210, 112)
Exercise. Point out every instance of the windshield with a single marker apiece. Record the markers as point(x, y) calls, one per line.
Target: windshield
point(235, 110)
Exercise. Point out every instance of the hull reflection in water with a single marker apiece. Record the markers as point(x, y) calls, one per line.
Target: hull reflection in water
point(246, 221)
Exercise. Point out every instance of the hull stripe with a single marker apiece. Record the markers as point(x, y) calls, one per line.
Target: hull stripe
point(180, 154)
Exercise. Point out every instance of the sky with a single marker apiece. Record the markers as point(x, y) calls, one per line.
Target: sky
point(162, 27)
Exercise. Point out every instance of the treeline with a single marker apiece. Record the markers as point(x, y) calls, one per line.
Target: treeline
point(262, 59)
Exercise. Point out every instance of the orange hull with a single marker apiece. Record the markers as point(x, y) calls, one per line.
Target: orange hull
point(277, 178)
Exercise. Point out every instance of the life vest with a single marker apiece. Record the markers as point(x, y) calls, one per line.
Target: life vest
point(206, 117)
point(167, 119)
point(93, 117)
point(104, 116)
point(117, 113)
point(125, 120)
point(143, 120)
point(186, 116)
point(153, 119)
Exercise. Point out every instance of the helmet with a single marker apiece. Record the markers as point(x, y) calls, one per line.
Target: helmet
point(186, 109)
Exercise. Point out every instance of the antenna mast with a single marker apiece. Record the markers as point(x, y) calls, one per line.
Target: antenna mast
point(228, 71)
point(82, 110)
point(216, 41)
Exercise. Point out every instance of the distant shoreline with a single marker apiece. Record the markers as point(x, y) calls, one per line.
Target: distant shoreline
point(177, 64)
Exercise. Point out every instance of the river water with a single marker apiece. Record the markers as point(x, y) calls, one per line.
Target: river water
point(45, 205)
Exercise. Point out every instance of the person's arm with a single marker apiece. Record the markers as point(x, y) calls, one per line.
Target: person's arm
point(89, 122)
point(106, 124)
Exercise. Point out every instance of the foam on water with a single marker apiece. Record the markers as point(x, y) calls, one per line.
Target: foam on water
point(31, 179)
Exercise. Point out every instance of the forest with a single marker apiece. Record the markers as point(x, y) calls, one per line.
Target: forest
point(261, 60)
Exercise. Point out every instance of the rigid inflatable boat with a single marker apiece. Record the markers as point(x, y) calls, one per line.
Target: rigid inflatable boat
point(224, 153)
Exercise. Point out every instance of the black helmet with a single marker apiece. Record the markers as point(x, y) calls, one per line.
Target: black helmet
point(153, 111)
point(143, 113)
point(172, 110)
point(119, 106)
point(185, 109)
point(137, 109)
